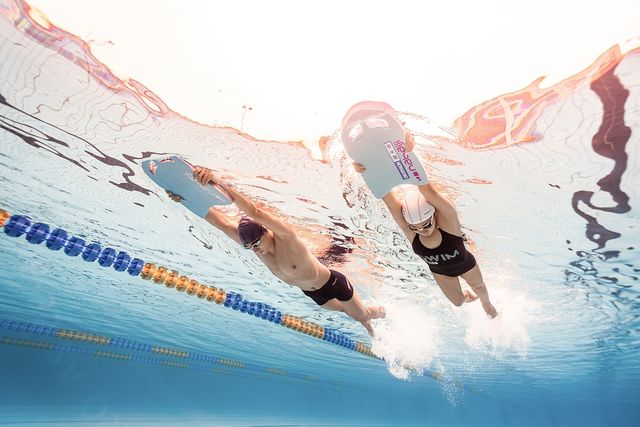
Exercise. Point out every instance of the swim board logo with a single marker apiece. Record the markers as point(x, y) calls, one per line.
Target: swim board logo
point(402, 160)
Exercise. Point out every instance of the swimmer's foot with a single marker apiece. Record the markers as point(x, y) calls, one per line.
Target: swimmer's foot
point(368, 327)
point(376, 312)
point(490, 310)
point(469, 295)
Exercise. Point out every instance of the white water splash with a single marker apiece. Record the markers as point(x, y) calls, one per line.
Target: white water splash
point(408, 338)
point(412, 339)
point(507, 333)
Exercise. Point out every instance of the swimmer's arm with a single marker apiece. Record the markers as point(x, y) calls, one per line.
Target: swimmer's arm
point(393, 204)
point(220, 221)
point(206, 176)
point(265, 218)
point(446, 211)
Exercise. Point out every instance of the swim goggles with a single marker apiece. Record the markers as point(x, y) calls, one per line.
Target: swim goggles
point(422, 227)
point(253, 245)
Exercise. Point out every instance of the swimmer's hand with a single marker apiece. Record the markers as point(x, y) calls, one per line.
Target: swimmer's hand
point(410, 142)
point(203, 175)
point(359, 167)
point(173, 196)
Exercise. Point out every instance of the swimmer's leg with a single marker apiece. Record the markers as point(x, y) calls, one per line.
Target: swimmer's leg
point(357, 311)
point(450, 287)
point(333, 304)
point(474, 278)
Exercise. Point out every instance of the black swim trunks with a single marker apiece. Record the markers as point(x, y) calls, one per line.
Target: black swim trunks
point(337, 287)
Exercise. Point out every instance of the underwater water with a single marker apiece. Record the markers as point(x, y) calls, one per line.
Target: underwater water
point(546, 181)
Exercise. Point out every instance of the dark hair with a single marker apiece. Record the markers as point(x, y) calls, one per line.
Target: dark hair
point(249, 230)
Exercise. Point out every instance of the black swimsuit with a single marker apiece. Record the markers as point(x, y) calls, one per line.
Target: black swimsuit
point(450, 258)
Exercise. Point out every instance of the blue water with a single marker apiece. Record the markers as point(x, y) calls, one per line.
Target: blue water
point(554, 224)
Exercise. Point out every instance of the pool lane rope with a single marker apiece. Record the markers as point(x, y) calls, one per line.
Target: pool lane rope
point(122, 349)
point(59, 239)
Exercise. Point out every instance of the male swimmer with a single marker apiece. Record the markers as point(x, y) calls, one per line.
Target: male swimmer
point(279, 247)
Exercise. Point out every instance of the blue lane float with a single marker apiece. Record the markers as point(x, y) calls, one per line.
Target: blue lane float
point(74, 246)
point(57, 239)
point(106, 258)
point(91, 252)
point(38, 233)
point(17, 226)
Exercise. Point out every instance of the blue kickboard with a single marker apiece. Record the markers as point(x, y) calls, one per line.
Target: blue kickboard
point(373, 136)
point(176, 175)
